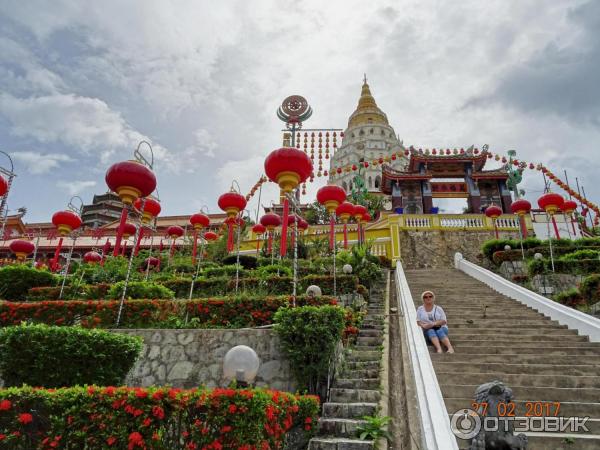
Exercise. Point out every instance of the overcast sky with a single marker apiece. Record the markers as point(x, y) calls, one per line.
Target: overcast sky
point(82, 82)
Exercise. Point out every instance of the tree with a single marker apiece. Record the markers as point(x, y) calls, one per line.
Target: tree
point(316, 214)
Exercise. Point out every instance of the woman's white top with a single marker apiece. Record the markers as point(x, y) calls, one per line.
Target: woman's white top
point(437, 313)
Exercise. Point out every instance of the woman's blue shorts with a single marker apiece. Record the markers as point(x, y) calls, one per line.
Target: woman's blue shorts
point(441, 333)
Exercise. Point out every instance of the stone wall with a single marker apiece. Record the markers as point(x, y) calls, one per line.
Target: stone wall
point(190, 358)
point(555, 283)
point(436, 248)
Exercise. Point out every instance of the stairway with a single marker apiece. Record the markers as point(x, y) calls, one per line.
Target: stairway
point(355, 392)
point(497, 338)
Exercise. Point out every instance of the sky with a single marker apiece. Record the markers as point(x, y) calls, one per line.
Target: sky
point(81, 83)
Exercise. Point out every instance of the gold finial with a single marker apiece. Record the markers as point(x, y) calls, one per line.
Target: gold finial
point(365, 79)
point(367, 110)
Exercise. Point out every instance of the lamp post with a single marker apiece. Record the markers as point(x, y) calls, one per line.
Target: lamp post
point(232, 203)
point(331, 196)
point(149, 208)
point(359, 212)
point(198, 221)
point(65, 222)
point(493, 212)
point(131, 180)
point(259, 230)
point(288, 167)
point(7, 176)
point(174, 232)
point(551, 203)
point(270, 221)
point(344, 212)
point(521, 208)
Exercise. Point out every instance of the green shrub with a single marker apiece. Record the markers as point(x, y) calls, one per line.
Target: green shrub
point(152, 418)
point(345, 283)
point(581, 254)
point(16, 280)
point(113, 270)
point(140, 289)
point(40, 355)
point(275, 269)
point(503, 255)
point(494, 245)
point(309, 336)
point(222, 271)
point(587, 242)
point(590, 288)
point(572, 298)
point(574, 267)
point(246, 261)
point(85, 291)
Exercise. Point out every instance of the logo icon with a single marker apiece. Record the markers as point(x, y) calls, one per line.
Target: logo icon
point(465, 424)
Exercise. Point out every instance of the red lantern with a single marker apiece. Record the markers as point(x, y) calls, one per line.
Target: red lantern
point(338, 170)
point(259, 228)
point(151, 261)
point(175, 231)
point(331, 196)
point(344, 212)
point(270, 221)
point(21, 248)
point(302, 224)
point(199, 221)
point(66, 222)
point(551, 203)
point(128, 230)
point(211, 236)
point(521, 207)
point(288, 167)
point(359, 212)
point(151, 209)
point(92, 257)
point(130, 180)
point(3, 186)
point(493, 212)
point(232, 203)
point(568, 207)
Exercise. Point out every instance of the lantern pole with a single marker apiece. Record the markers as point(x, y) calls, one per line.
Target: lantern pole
point(550, 243)
point(11, 175)
point(237, 259)
point(197, 270)
point(292, 198)
point(334, 254)
point(129, 265)
point(149, 255)
point(37, 243)
point(66, 274)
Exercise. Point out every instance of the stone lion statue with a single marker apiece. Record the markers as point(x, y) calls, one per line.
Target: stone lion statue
point(495, 393)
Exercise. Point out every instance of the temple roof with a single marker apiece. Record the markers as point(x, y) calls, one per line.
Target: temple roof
point(367, 111)
point(417, 158)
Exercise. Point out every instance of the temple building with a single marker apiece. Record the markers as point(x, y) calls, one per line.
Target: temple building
point(368, 136)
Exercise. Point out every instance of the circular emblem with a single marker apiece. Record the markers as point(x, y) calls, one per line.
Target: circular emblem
point(294, 105)
point(465, 424)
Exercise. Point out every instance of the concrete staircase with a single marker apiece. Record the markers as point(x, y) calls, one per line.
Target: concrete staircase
point(355, 392)
point(497, 338)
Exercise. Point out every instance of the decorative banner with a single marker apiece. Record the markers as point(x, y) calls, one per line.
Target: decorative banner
point(256, 187)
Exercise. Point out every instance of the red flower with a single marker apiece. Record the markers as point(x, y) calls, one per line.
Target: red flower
point(158, 412)
point(232, 409)
point(5, 405)
point(135, 440)
point(147, 421)
point(139, 393)
point(308, 420)
point(111, 440)
point(25, 418)
point(2, 437)
point(225, 429)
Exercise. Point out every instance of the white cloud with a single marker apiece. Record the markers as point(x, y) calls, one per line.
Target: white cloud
point(75, 187)
point(40, 163)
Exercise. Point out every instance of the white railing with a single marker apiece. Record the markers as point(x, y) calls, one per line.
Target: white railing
point(507, 222)
point(435, 424)
point(583, 323)
point(461, 222)
point(417, 222)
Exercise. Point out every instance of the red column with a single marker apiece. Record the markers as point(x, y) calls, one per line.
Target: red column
point(56, 254)
point(284, 227)
point(229, 237)
point(555, 227)
point(139, 242)
point(523, 226)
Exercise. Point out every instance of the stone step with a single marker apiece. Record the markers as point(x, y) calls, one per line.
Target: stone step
point(518, 350)
point(325, 443)
point(360, 373)
point(369, 340)
point(528, 393)
point(340, 395)
point(370, 333)
point(535, 358)
point(533, 369)
point(540, 326)
point(366, 348)
point(463, 331)
point(567, 409)
point(540, 321)
point(524, 379)
point(549, 340)
point(339, 427)
point(361, 355)
point(357, 383)
point(362, 365)
point(349, 410)
point(372, 326)
point(554, 441)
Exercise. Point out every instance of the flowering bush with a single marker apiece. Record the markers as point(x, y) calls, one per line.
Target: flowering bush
point(85, 291)
point(228, 312)
point(39, 355)
point(140, 289)
point(154, 418)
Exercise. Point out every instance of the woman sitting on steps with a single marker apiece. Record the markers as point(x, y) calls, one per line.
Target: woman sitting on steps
point(432, 319)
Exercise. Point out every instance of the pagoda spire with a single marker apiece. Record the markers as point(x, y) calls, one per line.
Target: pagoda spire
point(367, 110)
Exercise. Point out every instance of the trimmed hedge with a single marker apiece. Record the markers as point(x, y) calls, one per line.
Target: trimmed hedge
point(228, 312)
point(581, 254)
point(590, 288)
point(579, 267)
point(572, 298)
point(154, 418)
point(495, 245)
point(246, 261)
point(40, 355)
point(85, 291)
point(309, 337)
point(140, 289)
point(16, 280)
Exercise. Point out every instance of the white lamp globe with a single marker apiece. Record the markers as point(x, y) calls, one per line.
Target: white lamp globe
point(347, 269)
point(507, 248)
point(313, 291)
point(538, 256)
point(241, 363)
